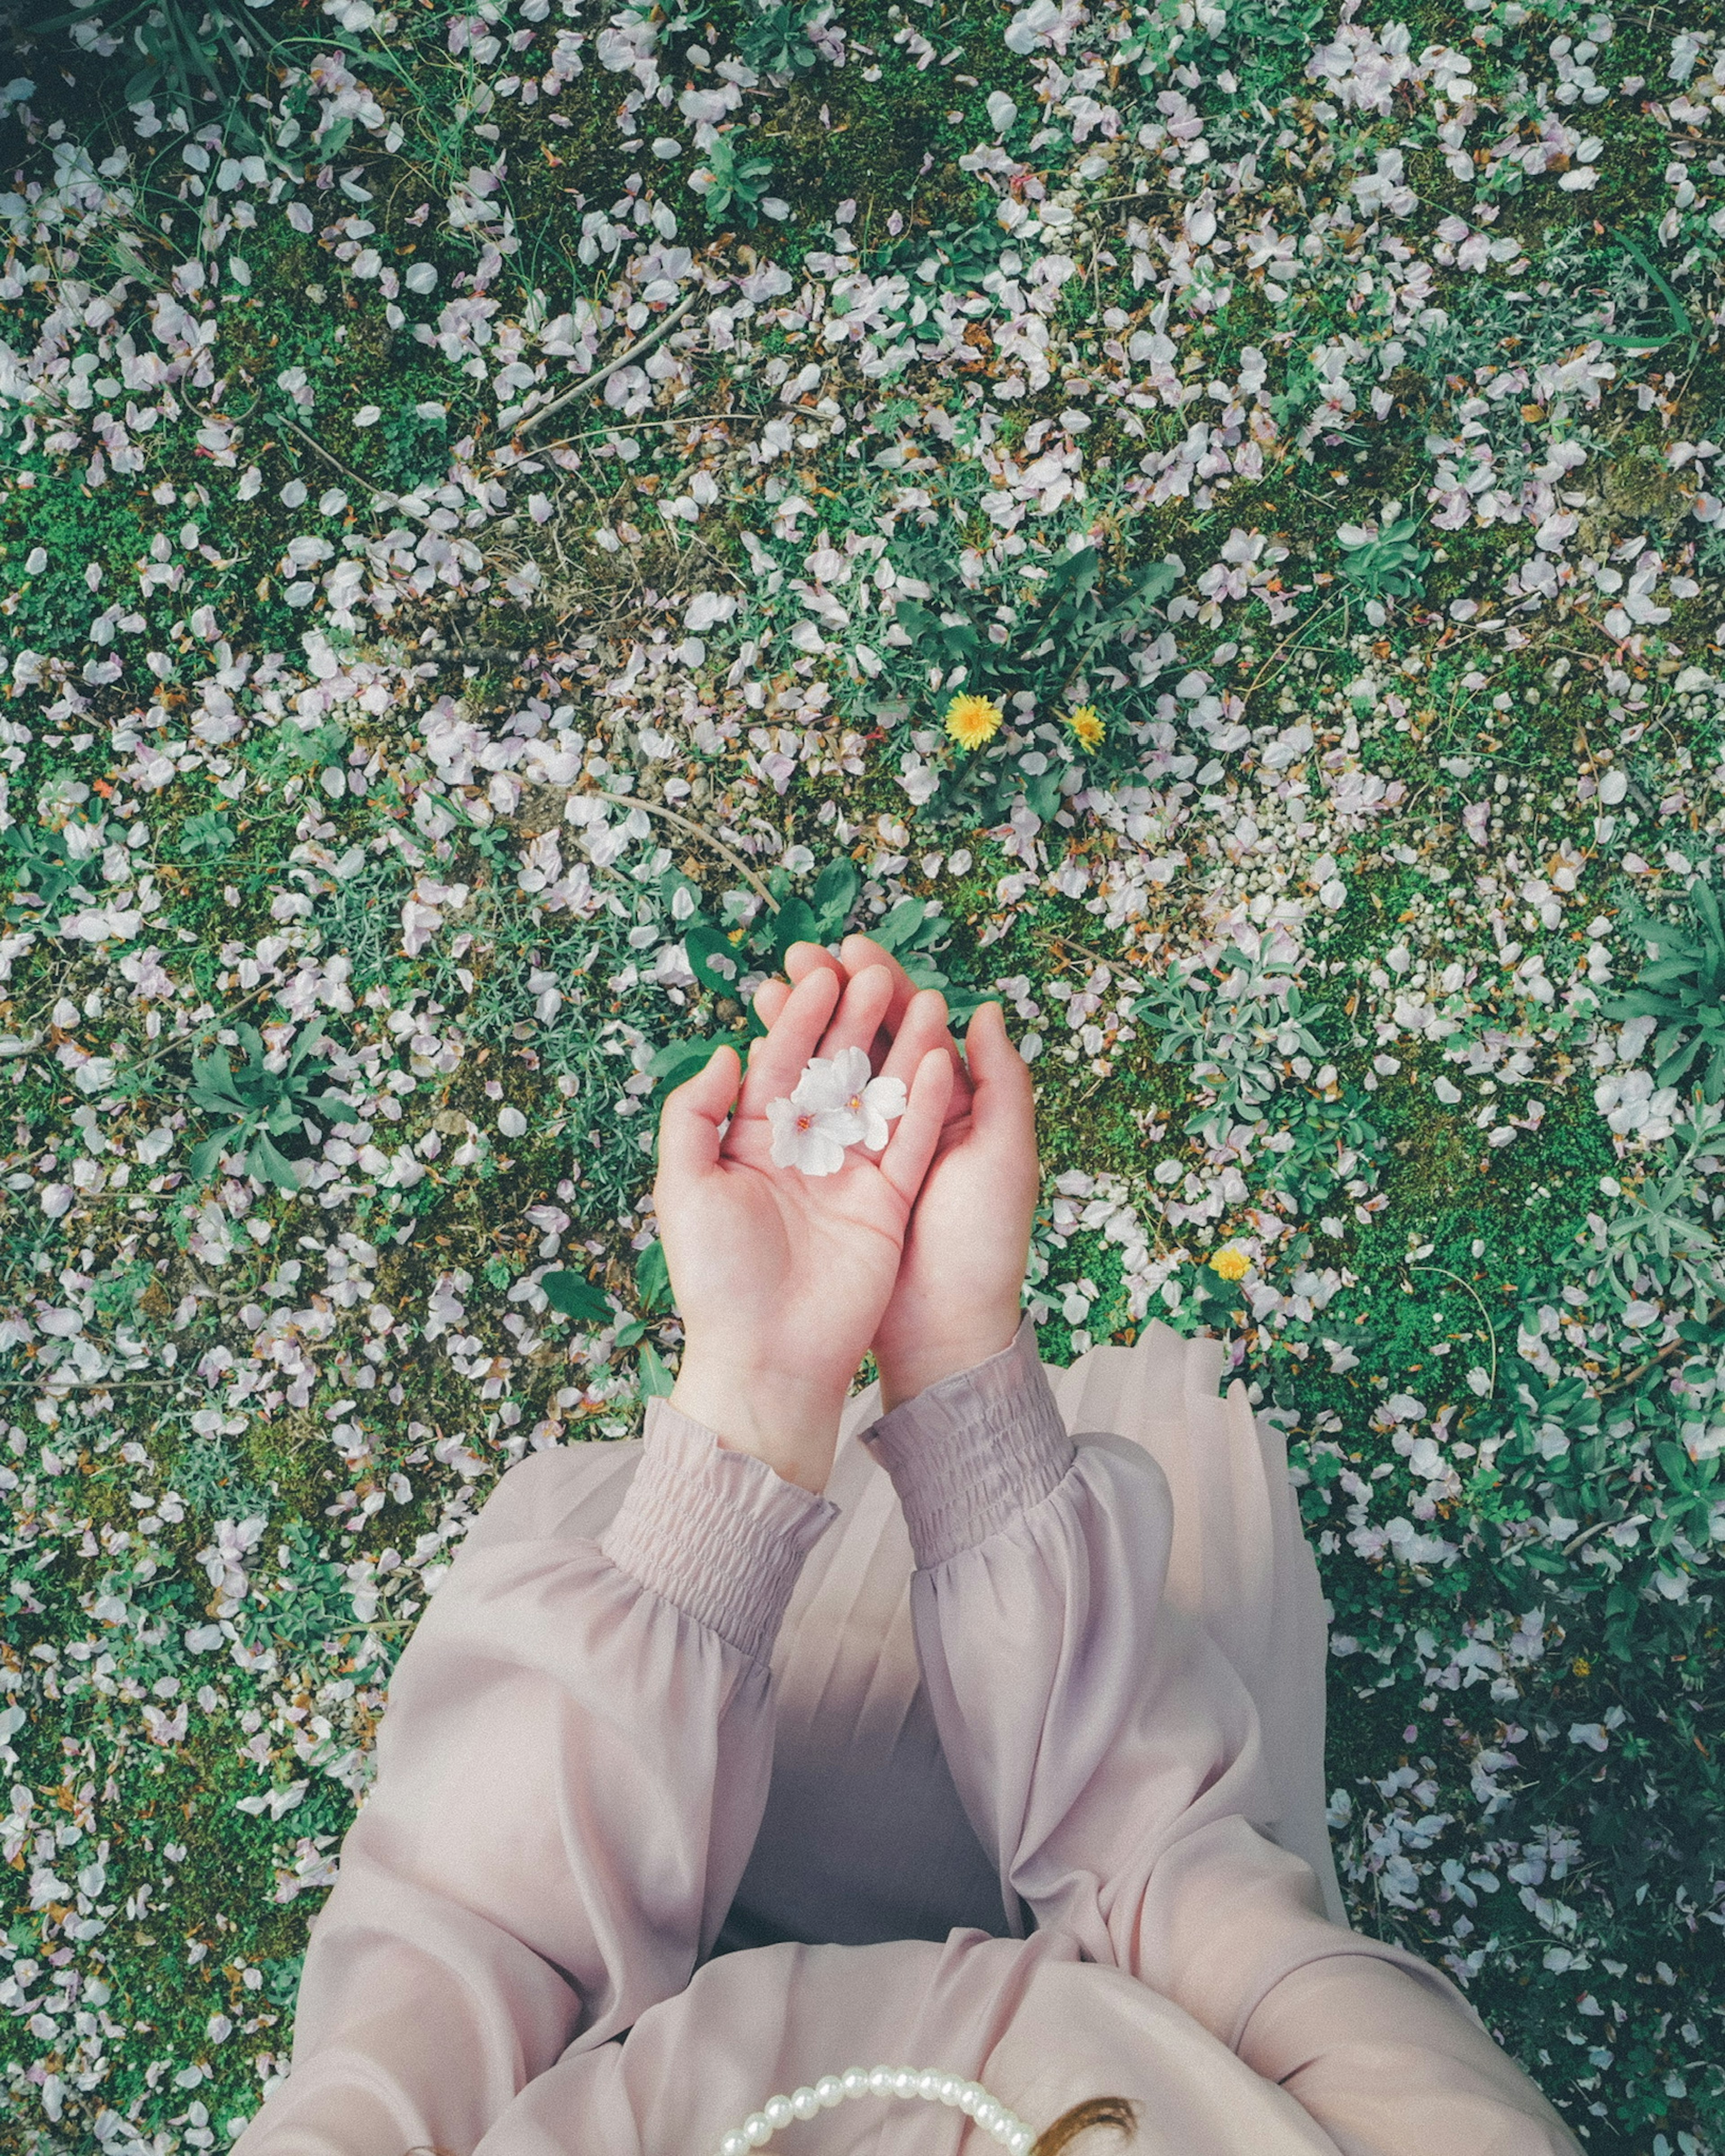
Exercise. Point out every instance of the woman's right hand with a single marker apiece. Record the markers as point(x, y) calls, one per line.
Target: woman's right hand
point(782, 1278)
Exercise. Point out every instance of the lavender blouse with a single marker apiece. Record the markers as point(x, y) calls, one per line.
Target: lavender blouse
point(997, 1756)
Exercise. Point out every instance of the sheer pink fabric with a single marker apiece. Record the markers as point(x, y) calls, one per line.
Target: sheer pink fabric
point(766, 1784)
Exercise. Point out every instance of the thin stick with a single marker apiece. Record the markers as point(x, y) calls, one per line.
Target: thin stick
point(336, 464)
point(216, 1019)
point(1652, 1362)
point(97, 1384)
point(695, 831)
point(665, 323)
point(1491, 1329)
point(640, 426)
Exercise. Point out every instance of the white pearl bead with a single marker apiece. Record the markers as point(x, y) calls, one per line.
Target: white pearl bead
point(932, 2083)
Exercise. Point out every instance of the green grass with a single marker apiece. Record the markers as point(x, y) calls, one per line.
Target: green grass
point(284, 830)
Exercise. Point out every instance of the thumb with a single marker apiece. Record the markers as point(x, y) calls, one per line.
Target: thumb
point(689, 1124)
point(1005, 1101)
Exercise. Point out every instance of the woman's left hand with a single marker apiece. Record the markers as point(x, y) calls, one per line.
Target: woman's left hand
point(781, 1277)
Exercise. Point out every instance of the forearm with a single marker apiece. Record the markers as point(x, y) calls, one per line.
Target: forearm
point(786, 1417)
point(1111, 1758)
point(572, 1767)
point(1388, 2066)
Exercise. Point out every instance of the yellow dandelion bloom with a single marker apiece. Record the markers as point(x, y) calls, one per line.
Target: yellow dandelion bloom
point(1232, 1265)
point(971, 720)
point(1087, 727)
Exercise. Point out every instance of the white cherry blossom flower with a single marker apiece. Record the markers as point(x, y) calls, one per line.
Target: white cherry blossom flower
point(811, 1133)
point(873, 1102)
point(836, 1104)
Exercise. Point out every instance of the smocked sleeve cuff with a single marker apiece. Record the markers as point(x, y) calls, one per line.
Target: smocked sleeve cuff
point(717, 1532)
point(969, 1455)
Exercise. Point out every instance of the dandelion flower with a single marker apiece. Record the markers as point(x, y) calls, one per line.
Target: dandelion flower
point(1086, 725)
point(1232, 1265)
point(971, 720)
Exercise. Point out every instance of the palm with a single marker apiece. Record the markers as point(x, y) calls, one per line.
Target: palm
point(960, 1276)
point(781, 1276)
point(814, 1257)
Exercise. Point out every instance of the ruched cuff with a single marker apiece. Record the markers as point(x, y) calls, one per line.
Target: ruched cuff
point(969, 1455)
point(716, 1532)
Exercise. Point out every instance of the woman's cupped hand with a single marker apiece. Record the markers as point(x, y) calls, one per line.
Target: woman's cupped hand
point(785, 1279)
point(781, 1277)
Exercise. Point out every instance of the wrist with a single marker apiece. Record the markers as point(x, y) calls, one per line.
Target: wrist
point(788, 1418)
point(911, 1367)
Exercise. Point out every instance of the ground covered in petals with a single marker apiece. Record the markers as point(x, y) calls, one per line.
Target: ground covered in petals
point(1202, 519)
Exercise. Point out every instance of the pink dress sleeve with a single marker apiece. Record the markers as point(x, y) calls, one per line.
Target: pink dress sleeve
point(571, 1769)
point(1109, 1758)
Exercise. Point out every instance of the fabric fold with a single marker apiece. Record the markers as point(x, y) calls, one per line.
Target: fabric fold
point(971, 1453)
point(714, 1530)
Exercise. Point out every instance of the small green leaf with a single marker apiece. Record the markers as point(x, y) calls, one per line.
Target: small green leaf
point(653, 1278)
point(630, 1332)
point(206, 833)
point(794, 923)
point(269, 1166)
point(963, 1004)
point(656, 1381)
point(713, 959)
point(684, 1056)
point(835, 892)
point(573, 1294)
point(899, 924)
point(207, 1158)
point(1043, 794)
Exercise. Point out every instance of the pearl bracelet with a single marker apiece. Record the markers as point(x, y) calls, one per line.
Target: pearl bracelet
point(970, 2097)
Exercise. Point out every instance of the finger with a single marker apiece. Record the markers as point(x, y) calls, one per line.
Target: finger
point(770, 999)
point(917, 1131)
point(857, 1019)
point(858, 951)
point(1003, 1104)
point(776, 1060)
point(801, 960)
point(689, 1122)
point(921, 1028)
